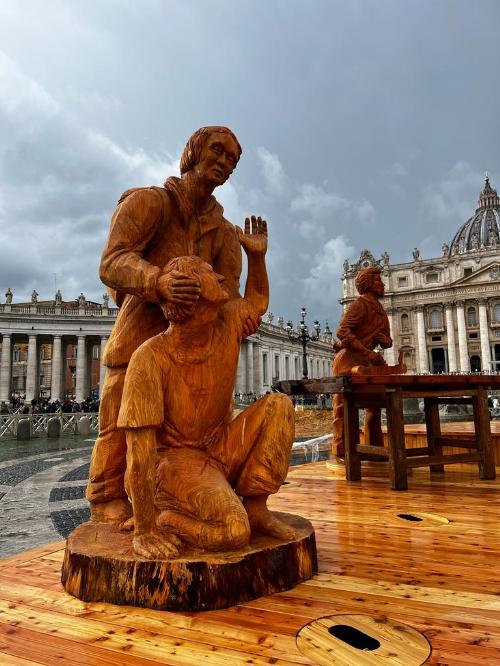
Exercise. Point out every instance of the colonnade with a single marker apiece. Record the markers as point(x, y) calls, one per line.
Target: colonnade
point(58, 364)
point(260, 362)
point(454, 333)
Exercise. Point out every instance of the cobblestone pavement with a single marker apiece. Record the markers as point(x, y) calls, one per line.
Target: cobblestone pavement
point(42, 490)
point(42, 487)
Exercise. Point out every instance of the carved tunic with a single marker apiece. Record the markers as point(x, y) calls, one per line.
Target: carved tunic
point(150, 227)
point(363, 321)
point(174, 389)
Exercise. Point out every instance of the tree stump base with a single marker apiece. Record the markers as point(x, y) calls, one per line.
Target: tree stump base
point(99, 565)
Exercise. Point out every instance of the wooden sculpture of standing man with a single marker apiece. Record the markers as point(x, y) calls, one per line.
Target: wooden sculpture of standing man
point(363, 327)
point(151, 226)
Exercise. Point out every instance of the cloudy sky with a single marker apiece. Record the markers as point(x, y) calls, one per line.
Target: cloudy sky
point(364, 124)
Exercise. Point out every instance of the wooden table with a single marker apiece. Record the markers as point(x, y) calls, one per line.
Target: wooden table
point(388, 392)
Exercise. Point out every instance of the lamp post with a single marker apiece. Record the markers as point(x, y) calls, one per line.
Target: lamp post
point(303, 336)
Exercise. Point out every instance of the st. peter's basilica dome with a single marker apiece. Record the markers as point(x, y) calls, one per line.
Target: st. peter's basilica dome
point(483, 228)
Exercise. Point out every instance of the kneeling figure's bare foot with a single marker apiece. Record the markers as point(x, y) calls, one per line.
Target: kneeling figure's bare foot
point(265, 521)
point(115, 511)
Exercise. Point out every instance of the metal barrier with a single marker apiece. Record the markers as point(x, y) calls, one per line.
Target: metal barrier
point(39, 423)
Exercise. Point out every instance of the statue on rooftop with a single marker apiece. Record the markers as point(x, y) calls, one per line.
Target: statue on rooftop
point(416, 254)
point(445, 248)
point(105, 299)
point(385, 258)
point(34, 296)
point(346, 265)
point(58, 298)
point(8, 296)
point(81, 300)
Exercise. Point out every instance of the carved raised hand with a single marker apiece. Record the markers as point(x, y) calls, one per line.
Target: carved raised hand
point(254, 238)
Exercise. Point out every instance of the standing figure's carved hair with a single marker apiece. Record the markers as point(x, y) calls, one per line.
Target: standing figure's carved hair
point(364, 278)
point(194, 146)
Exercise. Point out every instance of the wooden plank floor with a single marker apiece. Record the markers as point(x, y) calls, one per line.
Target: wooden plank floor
point(441, 578)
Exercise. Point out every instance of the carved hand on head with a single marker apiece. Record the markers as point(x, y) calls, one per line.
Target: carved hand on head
point(156, 545)
point(254, 238)
point(176, 287)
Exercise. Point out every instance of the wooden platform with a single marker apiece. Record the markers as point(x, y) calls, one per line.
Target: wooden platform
point(440, 576)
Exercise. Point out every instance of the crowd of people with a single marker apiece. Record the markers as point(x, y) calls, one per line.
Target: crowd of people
point(46, 406)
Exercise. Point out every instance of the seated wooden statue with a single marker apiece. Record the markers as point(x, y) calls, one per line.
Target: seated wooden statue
point(363, 327)
point(193, 474)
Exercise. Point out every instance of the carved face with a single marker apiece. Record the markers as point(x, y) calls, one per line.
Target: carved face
point(218, 158)
point(378, 287)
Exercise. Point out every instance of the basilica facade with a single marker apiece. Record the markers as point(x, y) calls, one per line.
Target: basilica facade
point(444, 312)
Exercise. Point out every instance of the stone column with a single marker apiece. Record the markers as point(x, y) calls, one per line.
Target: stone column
point(102, 368)
point(462, 338)
point(81, 370)
point(390, 354)
point(450, 333)
point(483, 334)
point(32, 369)
point(423, 360)
point(240, 386)
point(249, 366)
point(5, 368)
point(55, 385)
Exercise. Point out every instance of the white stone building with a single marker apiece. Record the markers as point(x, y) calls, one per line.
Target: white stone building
point(444, 312)
point(51, 326)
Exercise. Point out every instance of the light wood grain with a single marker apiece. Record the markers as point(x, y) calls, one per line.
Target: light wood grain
point(400, 645)
point(440, 579)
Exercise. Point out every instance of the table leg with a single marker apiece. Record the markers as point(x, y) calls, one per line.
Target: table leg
point(351, 440)
point(483, 435)
point(433, 427)
point(396, 440)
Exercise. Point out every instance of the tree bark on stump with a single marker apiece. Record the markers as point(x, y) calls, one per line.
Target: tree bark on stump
point(99, 565)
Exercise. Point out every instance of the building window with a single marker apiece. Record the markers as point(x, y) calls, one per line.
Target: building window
point(403, 281)
point(95, 352)
point(16, 354)
point(436, 319)
point(432, 277)
point(436, 338)
point(468, 271)
point(317, 368)
point(265, 377)
point(473, 336)
point(287, 367)
point(276, 367)
point(496, 312)
point(296, 367)
point(405, 322)
point(471, 316)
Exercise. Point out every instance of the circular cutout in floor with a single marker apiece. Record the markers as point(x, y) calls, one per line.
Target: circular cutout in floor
point(364, 640)
point(421, 518)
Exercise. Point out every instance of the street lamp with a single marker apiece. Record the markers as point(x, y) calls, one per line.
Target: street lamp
point(303, 336)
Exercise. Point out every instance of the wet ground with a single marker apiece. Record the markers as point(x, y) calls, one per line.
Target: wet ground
point(43, 481)
point(42, 490)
